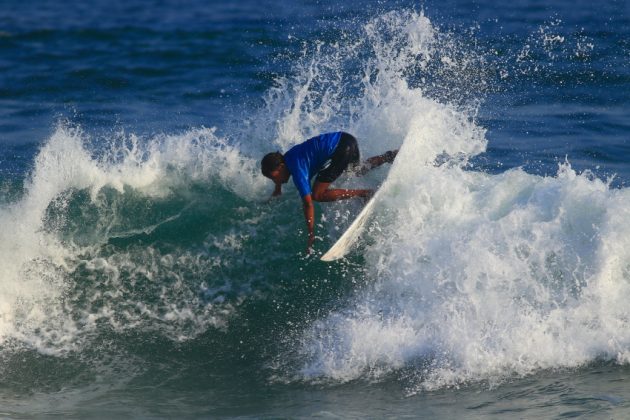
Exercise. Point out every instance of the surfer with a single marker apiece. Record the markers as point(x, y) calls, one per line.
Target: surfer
point(324, 157)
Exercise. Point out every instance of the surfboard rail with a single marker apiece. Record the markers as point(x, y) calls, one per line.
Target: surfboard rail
point(351, 235)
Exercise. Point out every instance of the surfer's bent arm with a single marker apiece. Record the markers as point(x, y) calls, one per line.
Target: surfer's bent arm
point(309, 216)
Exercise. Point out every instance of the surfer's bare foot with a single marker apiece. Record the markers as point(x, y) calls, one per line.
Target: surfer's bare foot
point(390, 156)
point(367, 196)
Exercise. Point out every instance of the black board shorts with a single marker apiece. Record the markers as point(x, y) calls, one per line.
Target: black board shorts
point(346, 153)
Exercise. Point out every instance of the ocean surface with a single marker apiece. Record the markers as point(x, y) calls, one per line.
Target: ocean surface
point(145, 273)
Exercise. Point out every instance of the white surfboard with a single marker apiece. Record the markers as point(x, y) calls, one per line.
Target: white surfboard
point(350, 236)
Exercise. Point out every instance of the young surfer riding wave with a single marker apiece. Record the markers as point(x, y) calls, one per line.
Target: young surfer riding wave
point(324, 157)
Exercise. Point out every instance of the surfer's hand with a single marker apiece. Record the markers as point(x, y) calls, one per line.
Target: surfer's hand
point(277, 191)
point(309, 246)
point(272, 198)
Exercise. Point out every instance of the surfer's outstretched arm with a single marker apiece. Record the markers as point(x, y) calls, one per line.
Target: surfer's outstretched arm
point(309, 216)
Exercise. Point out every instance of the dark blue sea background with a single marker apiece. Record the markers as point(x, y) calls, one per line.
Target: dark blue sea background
point(145, 273)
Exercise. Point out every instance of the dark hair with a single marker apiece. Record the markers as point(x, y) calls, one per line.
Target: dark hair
point(270, 163)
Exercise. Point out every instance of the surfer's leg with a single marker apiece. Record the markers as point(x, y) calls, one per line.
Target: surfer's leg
point(376, 161)
point(346, 153)
point(322, 193)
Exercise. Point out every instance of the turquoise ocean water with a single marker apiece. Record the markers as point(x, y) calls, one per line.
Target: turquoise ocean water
point(145, 274)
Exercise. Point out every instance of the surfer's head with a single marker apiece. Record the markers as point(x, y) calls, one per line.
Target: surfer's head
point(274, 168)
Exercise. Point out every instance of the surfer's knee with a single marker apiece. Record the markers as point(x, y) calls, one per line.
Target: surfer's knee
point(318, 195)
point(319, 190)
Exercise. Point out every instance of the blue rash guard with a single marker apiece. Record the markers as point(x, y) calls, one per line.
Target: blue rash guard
point(306, 159)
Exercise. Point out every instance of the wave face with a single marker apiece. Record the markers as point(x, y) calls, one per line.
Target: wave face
point(106, 238)
point(133, 257)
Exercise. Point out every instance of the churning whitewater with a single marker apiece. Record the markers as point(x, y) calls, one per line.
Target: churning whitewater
point(461, 275)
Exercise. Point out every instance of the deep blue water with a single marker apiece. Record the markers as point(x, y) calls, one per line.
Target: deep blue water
point(144, 274)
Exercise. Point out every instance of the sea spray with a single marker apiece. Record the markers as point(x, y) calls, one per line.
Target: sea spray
point(372, 82)
point(475, 277)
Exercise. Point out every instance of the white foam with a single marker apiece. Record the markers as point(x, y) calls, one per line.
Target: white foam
point(474, 276)
point(486, 276)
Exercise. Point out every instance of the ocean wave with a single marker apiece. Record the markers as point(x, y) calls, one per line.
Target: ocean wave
point(473, 276)
point(84, 208)
point(461, 276)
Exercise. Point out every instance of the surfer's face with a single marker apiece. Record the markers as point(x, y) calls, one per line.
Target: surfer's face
point(280, 175)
